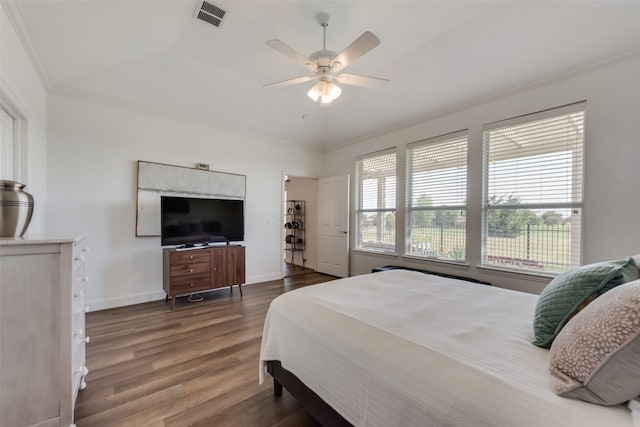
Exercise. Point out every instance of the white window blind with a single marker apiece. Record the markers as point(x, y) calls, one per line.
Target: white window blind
point(376, 202)
point(533, 185)
point(436, 197)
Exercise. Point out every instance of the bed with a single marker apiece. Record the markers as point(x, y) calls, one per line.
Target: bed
point(401, 348)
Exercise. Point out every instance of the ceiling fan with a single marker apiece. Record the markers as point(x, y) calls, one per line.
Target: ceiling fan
point(325, 66)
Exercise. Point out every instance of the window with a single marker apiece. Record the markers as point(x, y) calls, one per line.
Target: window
point(7, 146)
point(437, 197)
point(533, 184)
point(376, 202)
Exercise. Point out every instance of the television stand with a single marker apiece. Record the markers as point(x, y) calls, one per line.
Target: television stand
point(186, 272)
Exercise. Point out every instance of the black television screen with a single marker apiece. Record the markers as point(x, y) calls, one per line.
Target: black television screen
point(190, 220)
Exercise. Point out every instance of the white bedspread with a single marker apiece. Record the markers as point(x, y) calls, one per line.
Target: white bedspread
point(401, 348)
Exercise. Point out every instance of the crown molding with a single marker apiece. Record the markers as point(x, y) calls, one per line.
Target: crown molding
point(570, 72)
point(112, 102)
point(16, 16)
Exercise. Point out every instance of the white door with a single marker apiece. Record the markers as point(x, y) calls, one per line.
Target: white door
point(333, 226)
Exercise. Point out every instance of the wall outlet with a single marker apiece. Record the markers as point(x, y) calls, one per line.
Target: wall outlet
point(203, 166)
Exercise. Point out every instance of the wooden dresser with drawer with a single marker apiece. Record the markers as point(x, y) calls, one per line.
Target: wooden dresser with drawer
point(193, 270)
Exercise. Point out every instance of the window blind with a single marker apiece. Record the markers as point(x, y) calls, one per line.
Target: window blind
point(436, 197)
point(533, 185)
point(376, 202)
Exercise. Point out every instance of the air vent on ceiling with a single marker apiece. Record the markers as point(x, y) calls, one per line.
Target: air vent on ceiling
point(210, 13)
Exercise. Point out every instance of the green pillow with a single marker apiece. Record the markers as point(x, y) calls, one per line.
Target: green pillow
point(569, 292)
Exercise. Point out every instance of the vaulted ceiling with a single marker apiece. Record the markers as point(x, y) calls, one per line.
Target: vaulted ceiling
point(155, 56)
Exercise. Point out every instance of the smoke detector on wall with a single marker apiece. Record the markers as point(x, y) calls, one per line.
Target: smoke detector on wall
point(210, 13)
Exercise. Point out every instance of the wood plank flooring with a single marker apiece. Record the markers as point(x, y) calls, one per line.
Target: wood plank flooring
point(195, 366)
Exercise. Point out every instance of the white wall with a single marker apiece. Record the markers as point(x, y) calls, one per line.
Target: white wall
point(93, 149)
point(611, 203)
point(306, 189)
point(23, 92)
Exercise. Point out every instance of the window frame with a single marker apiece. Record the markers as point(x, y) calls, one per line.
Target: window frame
point(575, 205)
point(429, 253)
point(378, 246)
point(12, 105)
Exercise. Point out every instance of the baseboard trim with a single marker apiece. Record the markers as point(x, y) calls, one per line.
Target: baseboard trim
point(264, 278)
point(104, 304)
point(121, 301)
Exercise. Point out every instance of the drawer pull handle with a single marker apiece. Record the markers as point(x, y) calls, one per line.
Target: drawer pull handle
point(191, 257)
point(191, 270)
point(87, 340)
point(191, 284)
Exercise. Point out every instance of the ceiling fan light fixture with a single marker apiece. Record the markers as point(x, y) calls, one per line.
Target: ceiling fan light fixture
point(313, 94)
point(325, 91)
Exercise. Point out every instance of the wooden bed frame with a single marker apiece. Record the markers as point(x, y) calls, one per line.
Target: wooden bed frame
point(310, 401)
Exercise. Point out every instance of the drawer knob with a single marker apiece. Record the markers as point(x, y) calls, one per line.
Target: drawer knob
point(86, 309)
point(87, 340)
point(214, 269)
point(85, 279)
point(77, 334)
point(79, 258)
point(82, 370)
point(77, 295)
point(191, 257)
point(85, 249)
point(191, 270)
point(191, 284)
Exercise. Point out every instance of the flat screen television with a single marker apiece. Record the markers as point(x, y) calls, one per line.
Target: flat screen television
point(194, 221)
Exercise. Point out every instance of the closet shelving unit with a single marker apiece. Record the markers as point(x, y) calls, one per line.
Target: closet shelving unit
point(294, 229)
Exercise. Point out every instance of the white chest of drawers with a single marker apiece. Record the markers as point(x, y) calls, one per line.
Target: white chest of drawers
point(42, 329)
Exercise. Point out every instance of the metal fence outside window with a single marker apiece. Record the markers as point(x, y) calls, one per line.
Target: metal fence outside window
point(532, 246)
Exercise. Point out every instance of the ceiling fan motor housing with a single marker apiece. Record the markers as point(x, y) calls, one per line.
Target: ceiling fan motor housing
point(323, 57)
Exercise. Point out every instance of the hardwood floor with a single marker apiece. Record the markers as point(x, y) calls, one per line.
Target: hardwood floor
point(195, 366)
point(294, 270)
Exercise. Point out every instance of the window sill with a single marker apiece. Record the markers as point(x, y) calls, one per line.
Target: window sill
point(370, 252)
point(436, 262)
point(518, 274)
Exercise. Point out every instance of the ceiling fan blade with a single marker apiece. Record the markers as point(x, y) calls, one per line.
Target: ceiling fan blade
point(362, 81)
point(291, 53)
point(355, 50)
point(290, 82)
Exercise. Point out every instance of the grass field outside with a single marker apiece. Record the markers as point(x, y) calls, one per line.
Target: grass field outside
point(534, 247)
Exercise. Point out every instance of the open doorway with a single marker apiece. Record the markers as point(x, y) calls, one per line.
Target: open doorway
point(299, 236)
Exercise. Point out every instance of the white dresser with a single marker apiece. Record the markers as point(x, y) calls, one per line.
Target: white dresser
point(42, 329)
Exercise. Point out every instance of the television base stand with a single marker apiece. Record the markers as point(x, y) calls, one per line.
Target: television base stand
point(187, 272)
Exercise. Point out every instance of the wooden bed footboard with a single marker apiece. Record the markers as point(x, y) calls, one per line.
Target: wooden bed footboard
point(310, 401)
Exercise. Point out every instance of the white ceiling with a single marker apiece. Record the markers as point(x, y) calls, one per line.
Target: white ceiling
point(156, 56)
